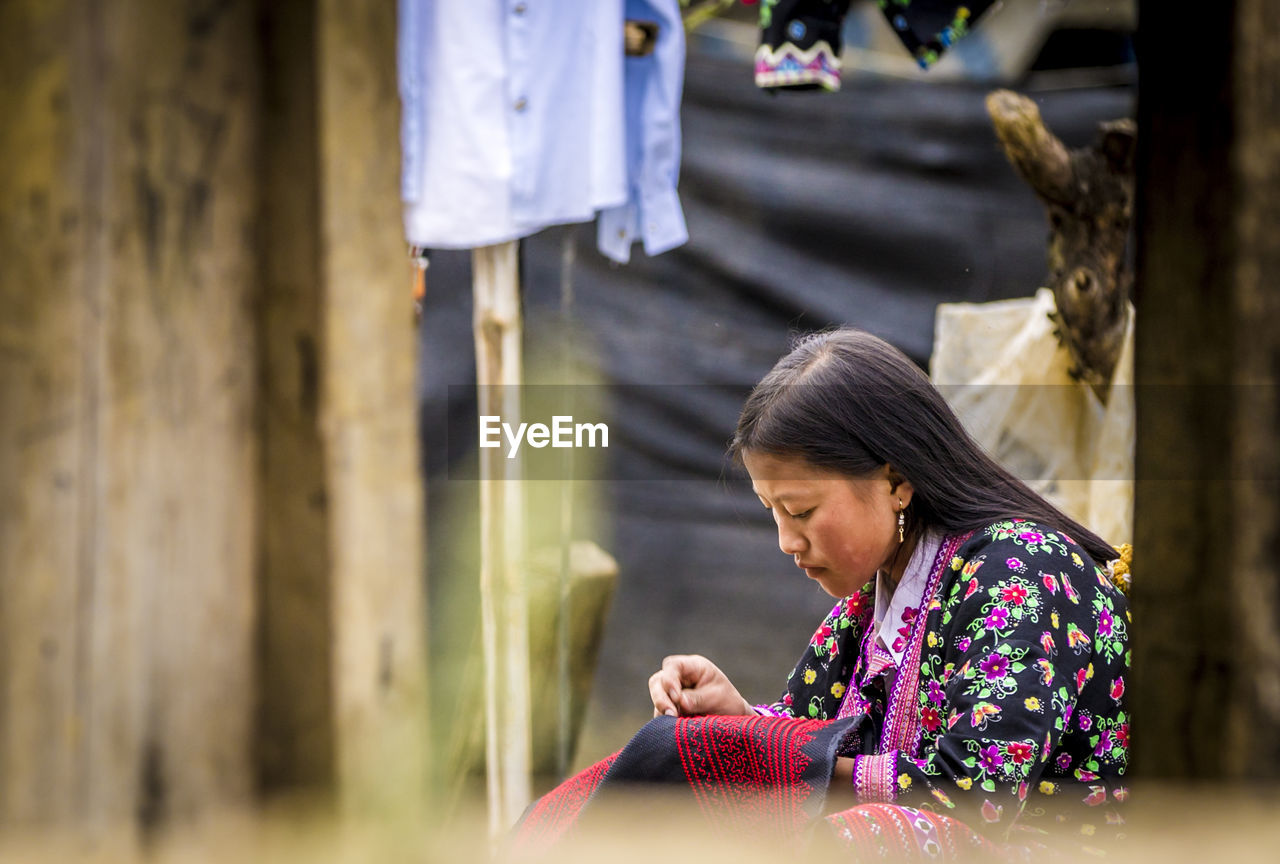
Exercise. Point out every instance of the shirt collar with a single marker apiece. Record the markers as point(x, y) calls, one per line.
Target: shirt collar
point(897, 607)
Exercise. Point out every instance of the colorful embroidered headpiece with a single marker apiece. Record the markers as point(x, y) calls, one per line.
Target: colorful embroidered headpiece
point(800, 40)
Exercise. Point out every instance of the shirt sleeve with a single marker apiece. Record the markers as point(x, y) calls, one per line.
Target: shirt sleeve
point(996, 700)
point(653, 87)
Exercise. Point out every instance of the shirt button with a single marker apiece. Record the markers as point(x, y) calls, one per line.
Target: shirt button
point(521, 104)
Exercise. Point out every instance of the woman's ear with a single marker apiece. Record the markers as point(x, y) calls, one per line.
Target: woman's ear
point(899, 486)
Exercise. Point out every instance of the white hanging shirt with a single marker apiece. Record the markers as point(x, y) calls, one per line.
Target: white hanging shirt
point(521, 114)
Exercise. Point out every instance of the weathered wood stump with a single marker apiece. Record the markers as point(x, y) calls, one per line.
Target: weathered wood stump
point(592, 579)
point(1088, 196)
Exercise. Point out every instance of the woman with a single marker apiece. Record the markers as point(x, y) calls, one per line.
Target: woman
point(974, 665)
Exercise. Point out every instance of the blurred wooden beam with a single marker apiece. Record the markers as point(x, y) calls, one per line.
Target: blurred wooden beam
point(368, 416)
point(296, 739)
point(127, 385)
point(210, 504)
point(1206, 600)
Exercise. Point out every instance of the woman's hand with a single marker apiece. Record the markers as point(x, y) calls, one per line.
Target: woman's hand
point(690, 684)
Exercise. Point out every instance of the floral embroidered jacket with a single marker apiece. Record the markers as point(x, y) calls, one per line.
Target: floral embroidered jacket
point(1008, 706)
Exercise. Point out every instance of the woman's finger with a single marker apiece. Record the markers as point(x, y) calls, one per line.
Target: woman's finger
point(688, 670)
point(660, 692)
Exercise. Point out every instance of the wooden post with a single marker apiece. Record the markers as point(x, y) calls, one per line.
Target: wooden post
point(374, 484)
point(504, 613)
point(127, 384)
point(296, 739)
point(1206, 596)
point(152, 279)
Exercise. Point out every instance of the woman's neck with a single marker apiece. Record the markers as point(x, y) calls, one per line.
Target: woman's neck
point(901, 558)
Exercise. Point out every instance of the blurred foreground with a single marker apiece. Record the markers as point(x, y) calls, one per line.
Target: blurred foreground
point(1167, 825)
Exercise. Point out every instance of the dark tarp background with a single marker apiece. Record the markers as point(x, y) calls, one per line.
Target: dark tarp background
point(868, 207)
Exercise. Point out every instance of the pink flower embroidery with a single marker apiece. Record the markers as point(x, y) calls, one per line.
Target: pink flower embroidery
point(1014, 594)
point(991, 812)
point(1020, 752)
point(1117, 689)
point(1050, 582)
point(990, 758)
point(908, 615)
point(856, 604)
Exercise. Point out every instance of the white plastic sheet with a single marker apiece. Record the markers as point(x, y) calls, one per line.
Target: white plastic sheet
point(1007, 377)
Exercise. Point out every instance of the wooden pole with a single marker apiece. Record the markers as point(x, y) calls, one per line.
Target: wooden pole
point(504, 618)
point(128, 188)
point(209, 496)
point(564, 716)
point(1206, 600)
point(374, 487)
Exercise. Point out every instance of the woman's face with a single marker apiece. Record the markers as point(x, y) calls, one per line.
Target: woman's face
point(839, 529)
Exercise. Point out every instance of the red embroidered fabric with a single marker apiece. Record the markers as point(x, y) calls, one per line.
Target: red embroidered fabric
point(878, 832)
point(753, 775)
point(748, 771)
point(554, 812)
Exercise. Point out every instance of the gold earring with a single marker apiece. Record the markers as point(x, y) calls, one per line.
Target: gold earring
point(902, 521)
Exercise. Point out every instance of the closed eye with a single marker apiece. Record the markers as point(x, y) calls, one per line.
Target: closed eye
point(803, 515)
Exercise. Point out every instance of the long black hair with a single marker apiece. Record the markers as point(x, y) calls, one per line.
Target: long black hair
point(848, 401)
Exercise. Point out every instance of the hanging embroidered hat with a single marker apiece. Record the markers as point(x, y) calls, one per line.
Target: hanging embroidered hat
point(800, 44)
point(800, 39)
